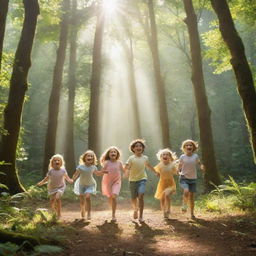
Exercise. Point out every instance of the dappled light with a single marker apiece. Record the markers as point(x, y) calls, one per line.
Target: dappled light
point(127, 127)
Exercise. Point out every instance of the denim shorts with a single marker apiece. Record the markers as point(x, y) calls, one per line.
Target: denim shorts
point(90, 189)
point(137, 188)
point(188, 184)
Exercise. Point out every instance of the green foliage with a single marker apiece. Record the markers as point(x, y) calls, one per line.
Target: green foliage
point(216, 51)
point(9, 249)
point(229, 196)
point(48, 21)
point(244, 10)
point(38, 223)
point(5, 75)
point(39, 249)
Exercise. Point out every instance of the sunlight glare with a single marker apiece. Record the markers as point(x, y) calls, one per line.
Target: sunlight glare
point(110, 6)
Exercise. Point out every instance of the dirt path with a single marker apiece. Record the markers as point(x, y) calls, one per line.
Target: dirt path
point(208, 235)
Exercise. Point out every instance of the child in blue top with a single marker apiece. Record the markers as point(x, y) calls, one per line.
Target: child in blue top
point(188, 174)
point(86, 185)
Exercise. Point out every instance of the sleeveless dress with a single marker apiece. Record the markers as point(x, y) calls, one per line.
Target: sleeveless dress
point(166, 181)
point(111, 182)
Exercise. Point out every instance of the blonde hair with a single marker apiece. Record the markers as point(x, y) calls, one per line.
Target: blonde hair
point(166, 150)
point(83, 156)
point(56, 156)
point(194, 143)
point(134, 142)
point(105, 155)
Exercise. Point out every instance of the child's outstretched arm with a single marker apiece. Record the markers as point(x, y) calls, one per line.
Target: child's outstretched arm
point(68, 179)
point(75, 175)
point(202, 167)
point(101, 172)
point(151, 168)
point(42, 182)
point(176, 167)
point(126, 168)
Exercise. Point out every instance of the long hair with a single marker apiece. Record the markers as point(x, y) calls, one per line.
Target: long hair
point(83, 156)
point(105, 156)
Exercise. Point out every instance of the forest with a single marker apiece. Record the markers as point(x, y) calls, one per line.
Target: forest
point(78, 75)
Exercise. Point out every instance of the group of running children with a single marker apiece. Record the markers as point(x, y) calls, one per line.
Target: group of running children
point(134, 169)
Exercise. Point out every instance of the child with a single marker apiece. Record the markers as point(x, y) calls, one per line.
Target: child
point(188, 174)
point(56, 176)
point(166, 185)
point(85, 185)
point(135, 166)
point(111, 182)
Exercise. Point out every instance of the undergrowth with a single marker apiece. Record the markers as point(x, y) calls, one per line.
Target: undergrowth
point(230, 196)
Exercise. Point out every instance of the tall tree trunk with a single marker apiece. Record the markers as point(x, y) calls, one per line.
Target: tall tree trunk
point(69, 144)
point(153, 43)
point(93, 130)
point(203, 110)
point(54, 101)
point(18, 87)
point(3, 13)
point(245, 84)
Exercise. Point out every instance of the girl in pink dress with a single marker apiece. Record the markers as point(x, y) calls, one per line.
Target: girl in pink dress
point(111, 181)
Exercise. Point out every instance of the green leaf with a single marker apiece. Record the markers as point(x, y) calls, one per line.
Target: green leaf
point(47, 249)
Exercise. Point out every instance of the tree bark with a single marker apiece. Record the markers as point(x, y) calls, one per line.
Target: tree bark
point(69, 145)
point(93, 130)
point(160, 87)
point(245, 84)
point(18, 87)
point(54, 101)
point(203, 109)
point(3, 13)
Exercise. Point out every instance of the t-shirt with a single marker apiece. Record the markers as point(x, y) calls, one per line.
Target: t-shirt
point(86, 174)
point(56, 178)
point(137, 167)
point(188, 165)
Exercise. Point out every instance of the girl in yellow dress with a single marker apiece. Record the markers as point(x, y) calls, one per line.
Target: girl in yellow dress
point(166, 185)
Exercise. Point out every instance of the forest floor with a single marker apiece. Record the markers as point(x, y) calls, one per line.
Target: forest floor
point(209, 234)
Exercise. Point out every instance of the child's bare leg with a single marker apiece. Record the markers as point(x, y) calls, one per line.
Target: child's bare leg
point(113, 204)
point(135, 207)
point(192, 203)
point(185, 200)
point(58, 207)
point(88, 205)
point(162, 203)
point(53, 203)
point(141, 206)
point(168, 202)
point(58, 204)
point(82, 205)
